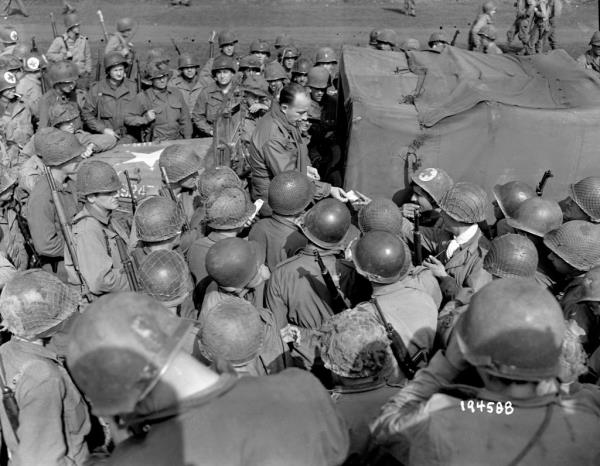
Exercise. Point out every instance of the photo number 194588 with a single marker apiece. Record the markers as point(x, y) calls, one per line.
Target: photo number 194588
point(488, 407)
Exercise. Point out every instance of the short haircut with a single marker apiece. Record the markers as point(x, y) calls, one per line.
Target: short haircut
point(289, 92)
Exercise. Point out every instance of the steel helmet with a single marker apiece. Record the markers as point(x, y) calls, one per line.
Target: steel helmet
point(326, 223)
point(301, 66)
point(156, 70)
point(119, 347)
point(434, 181)
point(373, 36)
point(95, 176)
point(231, 208)
point(20, 51)
point(511, 195)
point(7, 81)
point(325, 55)
point(63, 72)
point(34, 62)
point(438, 36)
point(586, 194)
point(56, 147)
point(488, 6)
point(465, 202)
point(381, 257)
point(260, 46)
point(71, 20)
point(10, 63)
point(187, 60)
point(125, 24)
point(274, 71)
point(232, 331)
point(410, 44)
point(215, 179)
point(223, 62)
point(157, 219)
point(34, 303)
point(290, 192)
point(381, 214)
point(319, 78)
point(9, 35)
point(590, 286)
point(290, 52)
point(179, 161)
point(513, 328)
point(577, 243)
point(511, 256)
point(250, 61)
point(354, 344)
point(227, 38)
point(113, 59)
point(165, 276)
point(536, 216)
point(488, 31)
point(63, 112)
point(283, 40)
point(256, 85)
point(157, 55)
point(595, 40)
point(232, 262)
point(387, 36)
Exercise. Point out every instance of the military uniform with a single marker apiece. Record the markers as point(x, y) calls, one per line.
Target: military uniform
point(280, 238)
point(116, 43)
point(29, 88)
point(79, 48)
point(15, 127)
point(53, 415)
point(582, 314)
point(207, 107)
point(484, 19)
point(95, 244)
point(323, 149)
point(12, 239)
point(172, 114)
point(197, 254)
point(190, 90)
point(589, 61)
point(109, 103)
point(287, 406)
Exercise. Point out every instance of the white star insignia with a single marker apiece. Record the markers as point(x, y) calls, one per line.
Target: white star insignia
point(149, 158)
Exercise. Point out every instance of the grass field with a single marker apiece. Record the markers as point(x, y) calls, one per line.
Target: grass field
point(311, 22)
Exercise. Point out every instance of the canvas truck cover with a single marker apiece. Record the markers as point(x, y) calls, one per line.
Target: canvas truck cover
point(484, 118)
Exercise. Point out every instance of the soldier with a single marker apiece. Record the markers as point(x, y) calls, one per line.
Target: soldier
point(438, 41)
point(300, 71)
point(15, 119)
point(188, 81)
point(254, 105)
point(29, 87)
point(373, 38)
point(53, 417)
point(289, 55)
point(384, 260)
point(297, 292)
point(227, 41)
point(160, 111)
point(355, 348)
point(458, 247)
point(327, 58)
point(486, 17)
point(235, 331)
point(290, 192)
point(9, 38)
point(540, 25)
point(72, 46)
point(250, 66)
point(387, 39)
point(164, 275)
point(282, 41)
point(61, 152)
point(12, 243)
point(487, 37)
point(512, 334)
point(120, 41)
point(428, 186)
point(13, 64)
point(590, 60)
point(95, 235)
point(583, 202)
point(110, 97)
point(260, 50)
point(199, 402)
point(215, 98)
point(277, 145)
point(508, 197)
point(276, 76)
point(227, 213)
point(521, 26)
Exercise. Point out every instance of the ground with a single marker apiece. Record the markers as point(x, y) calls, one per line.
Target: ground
point(312, 23)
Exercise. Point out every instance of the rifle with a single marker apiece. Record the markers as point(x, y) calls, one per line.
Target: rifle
point(34, 48)
point(340, 302)
point(10, 403)
point(174, 198)
point(177, 49)
point(138, 74)
point(417, 238)
point(454, 37)
point(211, 46)
point(133, 200)
point(99, 62)
point(66, 231)
point(406, 363)
point(127, 265)
point(104, 32)
point(539, 190)
point(34, 257)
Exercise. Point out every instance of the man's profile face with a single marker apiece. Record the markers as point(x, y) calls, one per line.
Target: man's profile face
point(298, 110)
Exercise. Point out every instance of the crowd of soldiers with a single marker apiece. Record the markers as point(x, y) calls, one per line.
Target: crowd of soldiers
point(253, 312)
